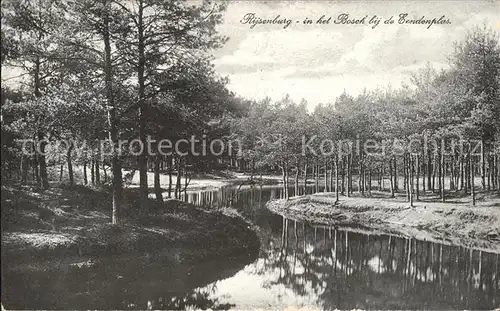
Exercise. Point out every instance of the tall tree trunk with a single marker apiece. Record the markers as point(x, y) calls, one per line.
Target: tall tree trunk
point(410, 178)
point(349, 179)
point(453, 171)
point(497, 166)
point(483, 164)
point(343, 175)
point(157, 186)
point(406, 170)
point(496, 173)
point(472, 188)
point(97, 173)
point(440, 173)
point(396, 182)
point(466, 173)
point(283, 172)
point(179, 177)
point(85, 178)
point(296, 183)
point(435, 172)
point(286, 180)
point(423, 172)
point(429, 171)
point(70, 164)
point(61, 172)
point(332, 162)
point(305, 176)
point(391, 179)
point(405, 173)
point(360, 176)
point(40, 154)
point(170, 169)
point(449, 166)
point(42, 162)
point(142, 158)
point(493, 171)
point(443, 174)
point(34, 164)
point(336, 179)
point(316, 176)
point(92, 174)
point(490, 160)
point(417, 164)
point(186, 183)
point(461, 167)
point(325, 174)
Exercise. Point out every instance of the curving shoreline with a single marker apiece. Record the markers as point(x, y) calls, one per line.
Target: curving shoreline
point(71, 225)
point(56, 237)
point(458, 224)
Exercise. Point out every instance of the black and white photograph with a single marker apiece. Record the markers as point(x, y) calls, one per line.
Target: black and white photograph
point(250, 155)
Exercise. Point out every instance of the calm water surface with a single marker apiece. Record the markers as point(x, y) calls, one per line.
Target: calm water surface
point(299, 265)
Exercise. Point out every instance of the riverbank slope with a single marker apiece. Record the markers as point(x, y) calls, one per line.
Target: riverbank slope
point(64, 223)
point(455, 222)
point(59, 249)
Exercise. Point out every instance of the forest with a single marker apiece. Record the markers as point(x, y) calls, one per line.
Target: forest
point(113, 70)
point(133, 177)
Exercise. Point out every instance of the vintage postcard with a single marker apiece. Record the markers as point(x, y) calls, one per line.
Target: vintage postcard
point(250, 155)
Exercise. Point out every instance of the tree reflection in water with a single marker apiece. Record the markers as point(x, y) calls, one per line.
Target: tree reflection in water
point(128, 282)
point(196, 299)
point(346, 268)
point(299, 264)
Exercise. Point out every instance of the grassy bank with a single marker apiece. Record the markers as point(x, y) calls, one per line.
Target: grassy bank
point(455, 222)
point(70, 224)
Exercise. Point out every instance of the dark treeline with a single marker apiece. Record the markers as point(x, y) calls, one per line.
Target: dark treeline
point(435, 135)
point(119, 70)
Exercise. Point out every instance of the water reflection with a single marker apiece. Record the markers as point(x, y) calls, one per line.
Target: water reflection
point(250, 195)
point(129, 282)
point(299, 265)
point(328, 267)
point(333, 268)
point(196, 299)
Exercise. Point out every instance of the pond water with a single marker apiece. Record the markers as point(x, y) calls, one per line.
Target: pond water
point(343, 268)
point(298, 265)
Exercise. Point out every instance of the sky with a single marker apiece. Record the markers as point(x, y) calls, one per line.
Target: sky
point(318, 62)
